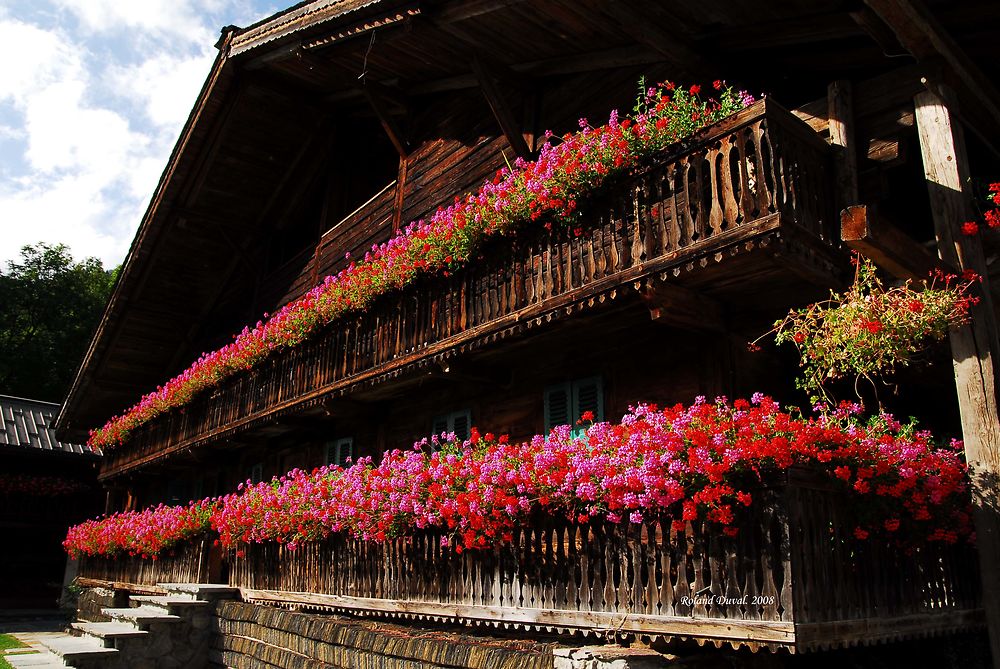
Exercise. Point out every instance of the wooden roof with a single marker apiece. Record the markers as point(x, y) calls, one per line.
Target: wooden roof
point(280, 87)
point(27, 424)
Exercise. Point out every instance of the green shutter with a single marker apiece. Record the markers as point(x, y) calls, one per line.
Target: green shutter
point(337, 452)
point(461, 424)
point(588, 395)
point(558, 401)
point(439, 425)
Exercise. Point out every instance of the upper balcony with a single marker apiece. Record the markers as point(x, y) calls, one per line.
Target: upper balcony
point(741, 212)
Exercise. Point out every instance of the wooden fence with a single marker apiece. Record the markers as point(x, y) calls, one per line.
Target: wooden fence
point(756, 173)
point(196, 562)
point(793, 577)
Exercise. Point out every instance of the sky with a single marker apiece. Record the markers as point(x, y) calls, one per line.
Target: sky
point(93, 95)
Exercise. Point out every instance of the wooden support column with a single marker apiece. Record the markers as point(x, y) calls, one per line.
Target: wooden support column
point(974, 347)
point(840, 114)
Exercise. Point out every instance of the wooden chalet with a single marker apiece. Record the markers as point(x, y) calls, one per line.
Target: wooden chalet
point(325, 128)
point(46, 485)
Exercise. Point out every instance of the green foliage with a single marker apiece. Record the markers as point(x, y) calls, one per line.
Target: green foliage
point(49, 307)
point(870, 330)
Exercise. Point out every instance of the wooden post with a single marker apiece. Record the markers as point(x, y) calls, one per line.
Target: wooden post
point(840, 114)
point(974, 346)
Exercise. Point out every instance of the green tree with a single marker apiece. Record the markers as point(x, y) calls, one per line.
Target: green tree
point(49, 308)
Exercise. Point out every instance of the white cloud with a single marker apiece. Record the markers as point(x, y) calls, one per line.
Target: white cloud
point(93, 94)
point(165, 85)
point(166, 18)
point(33, 59)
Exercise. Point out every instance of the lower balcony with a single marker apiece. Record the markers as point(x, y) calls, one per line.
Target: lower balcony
point(742, 211)
point(793, 578)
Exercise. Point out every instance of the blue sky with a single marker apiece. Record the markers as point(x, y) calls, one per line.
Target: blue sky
point(93, 94)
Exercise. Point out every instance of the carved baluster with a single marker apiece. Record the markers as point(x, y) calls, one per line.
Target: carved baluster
point(716, 215)
point(665, 546)
point(585, 589)
point(682, 590)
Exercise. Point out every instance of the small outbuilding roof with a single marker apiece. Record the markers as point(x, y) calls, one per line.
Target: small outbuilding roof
point(28, 424)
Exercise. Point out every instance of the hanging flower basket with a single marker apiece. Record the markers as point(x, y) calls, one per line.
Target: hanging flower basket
point(870, 331)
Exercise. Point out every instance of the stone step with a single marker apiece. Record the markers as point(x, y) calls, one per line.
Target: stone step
point(169, 603)
point(79, 651)
point(35, 660)
point(107, 633)
point(206, 591)
point(141, 616)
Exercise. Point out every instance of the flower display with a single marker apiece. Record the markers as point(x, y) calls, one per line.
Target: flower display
point(40, 486)
point(870, 330)
point(139, 533)
point(548, 189)
point(707, 461)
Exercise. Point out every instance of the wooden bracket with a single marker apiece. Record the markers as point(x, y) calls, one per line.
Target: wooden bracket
point(889, 247)
point(379, 98)
point(488, 76)
point(684, 308)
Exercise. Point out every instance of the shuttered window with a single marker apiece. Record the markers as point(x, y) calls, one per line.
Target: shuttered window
point(257, 473)
point(340, 452)
point(459, 422)
point(566, 402)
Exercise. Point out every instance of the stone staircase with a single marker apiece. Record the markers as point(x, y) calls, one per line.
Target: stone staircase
point(171, 631)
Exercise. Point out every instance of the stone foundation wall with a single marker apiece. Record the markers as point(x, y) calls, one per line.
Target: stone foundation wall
point(91, 600)
point(254, 637)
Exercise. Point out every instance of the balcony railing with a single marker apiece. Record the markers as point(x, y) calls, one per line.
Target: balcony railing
point(793, 577)
point(730, 189)
point(199, 561)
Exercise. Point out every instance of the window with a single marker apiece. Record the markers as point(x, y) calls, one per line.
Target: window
point(566, 402)
point(459, 422)
point(340, 452)
point(257, 473)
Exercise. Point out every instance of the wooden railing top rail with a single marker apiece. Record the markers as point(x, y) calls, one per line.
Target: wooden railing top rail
point(756, 177)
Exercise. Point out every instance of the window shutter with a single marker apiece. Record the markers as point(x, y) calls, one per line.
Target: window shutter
point(345, 451)
point(557, 406)
point(461, 423)
point(588, 395)
point(439, 425)
point(337, 452)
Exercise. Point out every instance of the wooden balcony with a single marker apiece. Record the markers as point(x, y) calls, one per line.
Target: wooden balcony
point(742, 202)
point(793, 578)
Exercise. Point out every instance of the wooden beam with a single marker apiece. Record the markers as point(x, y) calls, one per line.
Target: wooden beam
point(551, 67)
point(671, 46)
point(683, 308)
point(975, 349)
point(501, 111)
point(397, 205)
point(373, 93)
point(482, 375)
point(924, 37)
point(461, 11)
point(886, 245)
point(840, 115)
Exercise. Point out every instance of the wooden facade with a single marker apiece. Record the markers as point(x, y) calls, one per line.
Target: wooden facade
point(322, 130)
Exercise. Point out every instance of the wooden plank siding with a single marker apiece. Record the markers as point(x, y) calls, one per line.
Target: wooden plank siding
point(759, 176)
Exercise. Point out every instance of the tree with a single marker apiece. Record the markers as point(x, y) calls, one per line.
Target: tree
point(49, 308)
